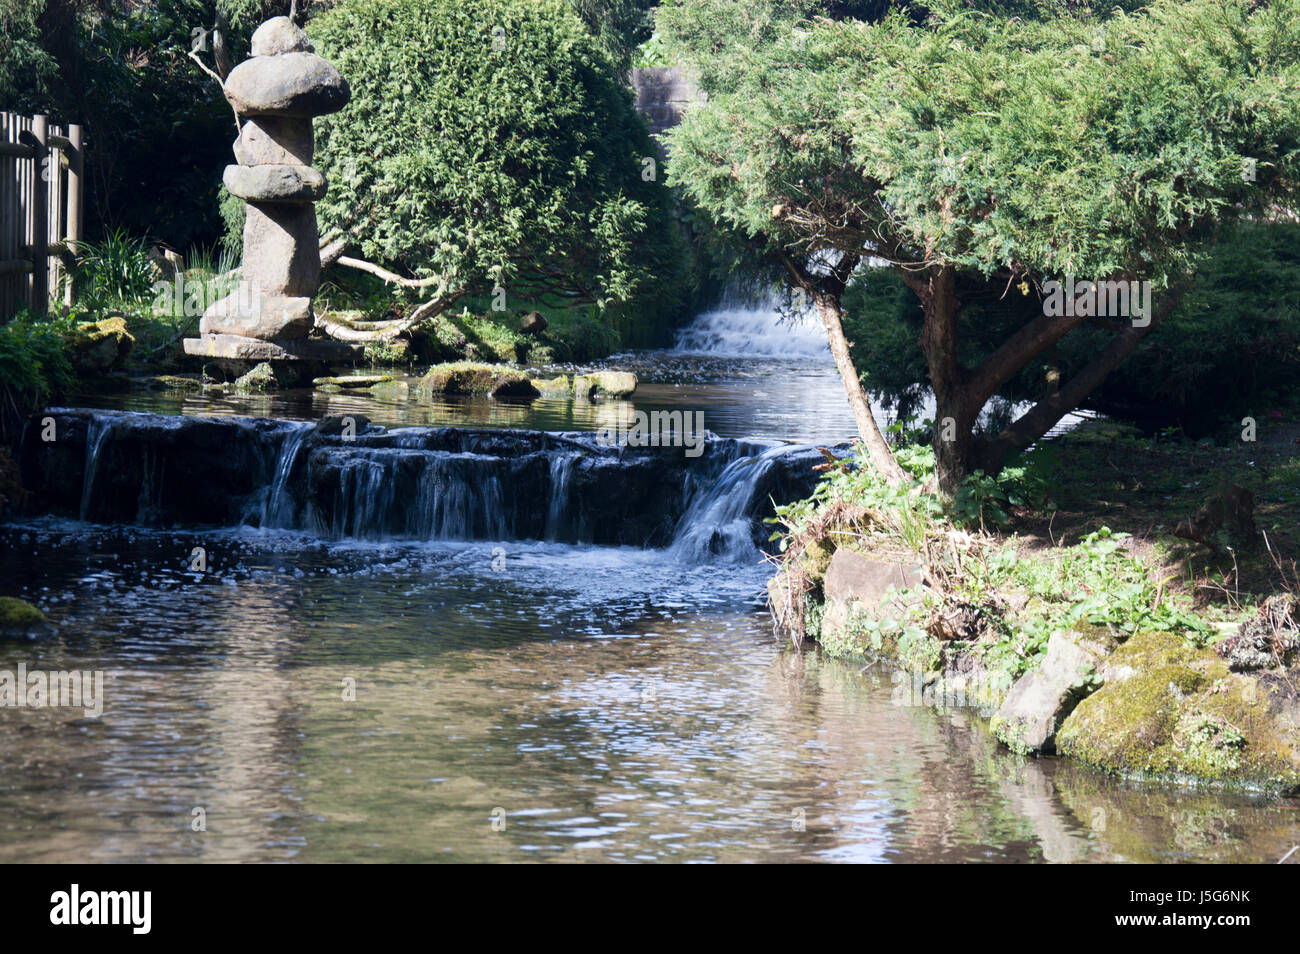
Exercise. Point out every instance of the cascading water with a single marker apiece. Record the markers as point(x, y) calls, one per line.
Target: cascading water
point(280, 507)
point(417, 483)
point(719, 522)
point(561, 474)
point(98, 432)
point(739, 330)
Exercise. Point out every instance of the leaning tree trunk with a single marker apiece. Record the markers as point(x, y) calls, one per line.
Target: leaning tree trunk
point(828, 306)
point(956, 409)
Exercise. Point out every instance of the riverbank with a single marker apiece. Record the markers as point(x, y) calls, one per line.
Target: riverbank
point(1151, 634)
point(627, 662)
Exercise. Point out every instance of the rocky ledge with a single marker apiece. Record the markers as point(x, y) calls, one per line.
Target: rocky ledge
point(1153, 705)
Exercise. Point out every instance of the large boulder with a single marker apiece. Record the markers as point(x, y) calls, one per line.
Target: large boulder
point(858, 584)
point(1039, 701)
point(1171, 710)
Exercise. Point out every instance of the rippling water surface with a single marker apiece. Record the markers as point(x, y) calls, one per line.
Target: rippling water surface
point(506, 701)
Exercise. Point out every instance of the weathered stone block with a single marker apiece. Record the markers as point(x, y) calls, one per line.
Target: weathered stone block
point(259, 316)
point(281, 250)
point(290, 84)
point(275, 140)
point(1031, 714)
point(274, 183)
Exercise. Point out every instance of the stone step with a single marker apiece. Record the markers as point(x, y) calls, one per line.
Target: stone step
point(240, 348)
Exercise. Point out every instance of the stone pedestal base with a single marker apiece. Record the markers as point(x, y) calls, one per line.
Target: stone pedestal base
point(239, 348)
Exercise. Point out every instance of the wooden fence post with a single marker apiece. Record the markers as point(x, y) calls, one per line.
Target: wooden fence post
point(41, 222)
point(76, 173)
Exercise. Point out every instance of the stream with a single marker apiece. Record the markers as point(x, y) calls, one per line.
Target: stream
point(481, 645)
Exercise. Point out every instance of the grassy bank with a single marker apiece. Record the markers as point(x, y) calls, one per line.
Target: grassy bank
point(1074, 554)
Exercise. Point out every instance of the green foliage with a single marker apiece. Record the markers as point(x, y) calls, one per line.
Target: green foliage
point(517, 166)
point(1231, 348)
point(34, 364)
point(158, 131)
point(232, 211)
point(115, 272)
point(619, 26)
point(1008, 151)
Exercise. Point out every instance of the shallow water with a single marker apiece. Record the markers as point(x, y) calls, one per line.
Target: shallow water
point(791, 399)
point(516, 701)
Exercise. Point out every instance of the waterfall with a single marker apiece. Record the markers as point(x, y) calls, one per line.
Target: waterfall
point(98, 431)
point(417, 483)
point(280, 507)
point(719, 521)
point(736, 330)
point(561, 474)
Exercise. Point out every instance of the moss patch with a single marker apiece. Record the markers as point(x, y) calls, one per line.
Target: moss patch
point(613, 384)
point(21, 620)
point(1169, 710)
point(99, 346)
point(467, 377)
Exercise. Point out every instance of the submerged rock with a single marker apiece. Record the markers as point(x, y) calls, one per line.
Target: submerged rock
point(554, 387)
point(1174, 711)
point(21, 620)
point(353, 380)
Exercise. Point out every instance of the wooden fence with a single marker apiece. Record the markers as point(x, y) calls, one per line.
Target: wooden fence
point(42, 181)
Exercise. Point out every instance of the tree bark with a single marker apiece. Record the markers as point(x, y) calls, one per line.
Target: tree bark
point(955, 407)
point(828, 306)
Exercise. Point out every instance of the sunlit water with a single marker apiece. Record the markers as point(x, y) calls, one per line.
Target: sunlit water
point(510, 701)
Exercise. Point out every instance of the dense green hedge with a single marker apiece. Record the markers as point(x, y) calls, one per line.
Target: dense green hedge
point(493, 142)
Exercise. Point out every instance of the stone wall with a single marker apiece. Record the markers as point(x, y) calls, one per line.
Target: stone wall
point(662, 95)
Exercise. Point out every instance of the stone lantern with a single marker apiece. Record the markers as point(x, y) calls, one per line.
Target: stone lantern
point(278, 90)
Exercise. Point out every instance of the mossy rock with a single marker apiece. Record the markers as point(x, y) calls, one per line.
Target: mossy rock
point(467, 377)
point(816, 559)
point(260, 378)
point(21, 620)
point(168, 382)
point(97, 347)
point(1170, 710)
point(611, 384)
point(353, 380)
point(390, 391)
point(560, 386)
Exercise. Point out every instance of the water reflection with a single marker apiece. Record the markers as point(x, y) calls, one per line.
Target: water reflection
point(794, 399)
point(613, 705)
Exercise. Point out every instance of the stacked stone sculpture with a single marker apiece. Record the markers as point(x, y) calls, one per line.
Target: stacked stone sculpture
point(278, 91)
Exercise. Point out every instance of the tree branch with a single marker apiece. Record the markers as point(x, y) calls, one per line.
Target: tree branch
point(1044, 415)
